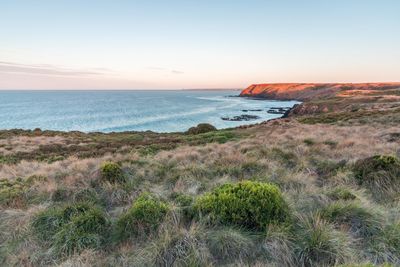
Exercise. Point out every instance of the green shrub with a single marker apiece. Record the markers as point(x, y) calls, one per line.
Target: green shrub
point(71, 228)
point(221, 137)
point(183, 200)
point(250, 204)
point(112, 172)
point(201, 128)
point(13, 192)
point(144, 217)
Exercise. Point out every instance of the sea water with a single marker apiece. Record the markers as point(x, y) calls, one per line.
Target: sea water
point(115, 111)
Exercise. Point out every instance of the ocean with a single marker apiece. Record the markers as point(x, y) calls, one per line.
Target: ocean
point(116, 111)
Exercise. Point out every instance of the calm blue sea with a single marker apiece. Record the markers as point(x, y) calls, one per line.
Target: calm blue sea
point(108, 111)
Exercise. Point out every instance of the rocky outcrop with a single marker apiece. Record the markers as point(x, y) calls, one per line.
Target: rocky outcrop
point(308, 91)
point(243, 117)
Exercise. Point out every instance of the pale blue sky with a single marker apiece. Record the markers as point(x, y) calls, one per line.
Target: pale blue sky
point(104, 44)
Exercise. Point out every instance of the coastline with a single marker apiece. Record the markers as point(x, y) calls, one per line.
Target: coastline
point(97, 111)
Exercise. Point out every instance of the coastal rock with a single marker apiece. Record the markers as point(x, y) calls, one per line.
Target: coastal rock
point(244, 117)
point(246, 110)
point(277, 110)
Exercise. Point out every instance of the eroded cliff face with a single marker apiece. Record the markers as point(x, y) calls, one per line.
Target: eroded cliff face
point(308, 91)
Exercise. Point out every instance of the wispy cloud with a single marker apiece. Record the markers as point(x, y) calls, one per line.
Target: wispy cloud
point(46, 69)
point(177, 72)
point(166, 70)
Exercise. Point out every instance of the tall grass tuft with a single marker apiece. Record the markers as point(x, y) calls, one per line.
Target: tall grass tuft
point(319, 244)
point(230, 245)
point(360, 221)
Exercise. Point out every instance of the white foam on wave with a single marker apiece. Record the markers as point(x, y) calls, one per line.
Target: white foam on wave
point(145, 120)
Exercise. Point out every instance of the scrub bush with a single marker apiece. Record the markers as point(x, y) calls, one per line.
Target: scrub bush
point(144, 217)
point(201, 128)
point(13, 192)
point(112, 172)
point(253, 205)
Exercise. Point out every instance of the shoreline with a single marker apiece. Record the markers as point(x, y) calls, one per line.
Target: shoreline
point(238, 115)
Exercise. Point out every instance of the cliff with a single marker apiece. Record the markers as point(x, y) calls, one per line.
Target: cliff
point(308, 91)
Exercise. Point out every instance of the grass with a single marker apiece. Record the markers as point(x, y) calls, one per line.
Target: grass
point(72, 228)
point(307, 190)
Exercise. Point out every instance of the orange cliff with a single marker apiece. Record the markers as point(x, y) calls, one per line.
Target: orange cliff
point(307, 91)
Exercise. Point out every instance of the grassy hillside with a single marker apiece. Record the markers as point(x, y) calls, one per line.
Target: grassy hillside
point(319, 188)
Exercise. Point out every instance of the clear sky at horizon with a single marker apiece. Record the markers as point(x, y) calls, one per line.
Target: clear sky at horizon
point(103, 44)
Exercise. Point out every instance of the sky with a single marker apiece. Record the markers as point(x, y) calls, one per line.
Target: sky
point(187, 44)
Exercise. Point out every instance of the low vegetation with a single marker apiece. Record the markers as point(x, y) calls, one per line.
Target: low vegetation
point(72, 228)
point(201, 128)
point(318, 189)
point(380, 174)
point(112, 172)
point(143, 218)
point(252, 205)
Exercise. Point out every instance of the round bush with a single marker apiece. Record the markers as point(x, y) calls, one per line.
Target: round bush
point(201, 128)
point(250, 204)
point(112, 172)
point(144, 217)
